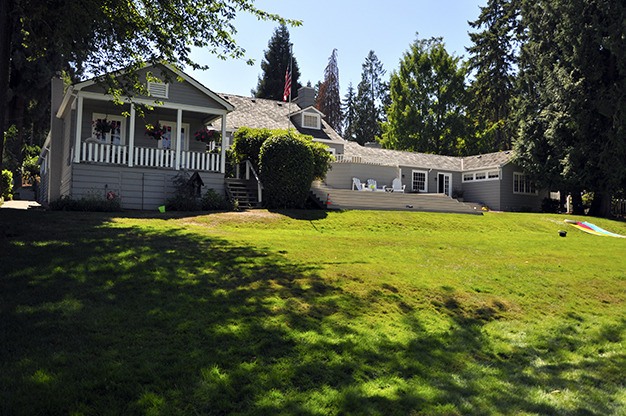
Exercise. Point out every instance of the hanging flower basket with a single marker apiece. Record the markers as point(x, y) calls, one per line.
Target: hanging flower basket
point(102, 125)
point(157, 131)
point(207, 135)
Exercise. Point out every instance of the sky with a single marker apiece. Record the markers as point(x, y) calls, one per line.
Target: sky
point(353, 27)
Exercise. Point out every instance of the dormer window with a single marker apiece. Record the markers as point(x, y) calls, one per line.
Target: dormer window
point(158, 89)
point(311, 121)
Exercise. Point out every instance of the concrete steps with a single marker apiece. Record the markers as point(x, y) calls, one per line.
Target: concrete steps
point(341, 199)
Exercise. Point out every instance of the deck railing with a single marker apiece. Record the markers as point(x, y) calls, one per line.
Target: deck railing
point(149, 157)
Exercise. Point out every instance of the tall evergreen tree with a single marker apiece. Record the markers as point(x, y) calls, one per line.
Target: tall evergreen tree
point(328, 99)
point(492, 59)
point(274, 65)
point(427, 112)
point(571, 114)
point(371, 96)
point(349, 114)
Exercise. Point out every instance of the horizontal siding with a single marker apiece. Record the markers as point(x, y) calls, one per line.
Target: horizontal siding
point(483, 192)
point(144, 189)
point(516, 202)
point(179, 92)
point(341, 174)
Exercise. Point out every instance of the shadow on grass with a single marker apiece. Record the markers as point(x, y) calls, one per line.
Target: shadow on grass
point(158, 320)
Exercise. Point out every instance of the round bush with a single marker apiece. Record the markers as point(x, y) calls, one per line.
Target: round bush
point(286, 170)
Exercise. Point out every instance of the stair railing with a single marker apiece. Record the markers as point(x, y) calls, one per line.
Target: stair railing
point(250, 168)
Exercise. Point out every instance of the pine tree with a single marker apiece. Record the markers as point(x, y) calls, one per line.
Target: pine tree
point(571, 115)
point(372, 93)
point(328, 98)
point(274, 65)
point(349, 114)
point(427, 112)
point(493, 58)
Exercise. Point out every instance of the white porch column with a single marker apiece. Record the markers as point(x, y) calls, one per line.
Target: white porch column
point(131, 136)
point(79, 125)
point(223, 153)
point(179, 137)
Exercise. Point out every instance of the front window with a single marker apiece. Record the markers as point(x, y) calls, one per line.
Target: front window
point(419, 181)
point(107, 128)
point(311, 121)
point(523, 185)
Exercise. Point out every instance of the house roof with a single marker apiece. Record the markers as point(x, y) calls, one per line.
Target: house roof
point(488, 160)
point(86, 83)
point(271, 114)
point(424, 160)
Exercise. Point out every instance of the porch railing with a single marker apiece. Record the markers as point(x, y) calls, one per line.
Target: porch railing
point(149, 157)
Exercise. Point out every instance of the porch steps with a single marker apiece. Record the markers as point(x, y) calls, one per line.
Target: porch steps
point(243, 191)
point(342, 199)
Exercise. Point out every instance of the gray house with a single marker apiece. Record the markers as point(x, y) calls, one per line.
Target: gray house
point(490, 179)
point(80, 160)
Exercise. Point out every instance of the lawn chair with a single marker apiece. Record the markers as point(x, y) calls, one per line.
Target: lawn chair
point(396, 185)
point(373, 186)
point(356, 184)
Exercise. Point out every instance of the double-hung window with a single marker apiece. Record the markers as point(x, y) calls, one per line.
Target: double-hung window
point(420, 181)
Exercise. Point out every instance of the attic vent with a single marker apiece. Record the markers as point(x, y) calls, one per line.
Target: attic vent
point(158, 89)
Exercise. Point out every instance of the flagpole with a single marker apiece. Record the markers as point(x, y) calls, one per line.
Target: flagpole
point(290, 82)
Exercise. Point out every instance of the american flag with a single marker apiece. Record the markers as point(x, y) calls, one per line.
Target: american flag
point(287, 91)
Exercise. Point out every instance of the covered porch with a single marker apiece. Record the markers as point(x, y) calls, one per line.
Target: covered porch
point(128, 144)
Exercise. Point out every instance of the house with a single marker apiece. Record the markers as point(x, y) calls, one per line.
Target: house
point(80, 160)
point(490, 179)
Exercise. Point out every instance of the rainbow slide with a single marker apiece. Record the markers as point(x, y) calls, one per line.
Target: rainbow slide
point(592, 229)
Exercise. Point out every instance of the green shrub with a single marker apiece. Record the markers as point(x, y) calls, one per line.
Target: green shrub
point(321, 159)
point(212, 201)
point(90, 202)
point(185, 197)
point(7, 185)
point(286, 170)
point(247, 143)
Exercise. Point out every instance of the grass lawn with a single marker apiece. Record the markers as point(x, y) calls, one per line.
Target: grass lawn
point(310, 313)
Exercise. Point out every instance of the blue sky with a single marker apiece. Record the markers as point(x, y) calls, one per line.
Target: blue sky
point(353, 27)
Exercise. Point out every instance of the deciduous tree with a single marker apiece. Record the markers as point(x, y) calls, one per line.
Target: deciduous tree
point(427, 112)
point(96, 37)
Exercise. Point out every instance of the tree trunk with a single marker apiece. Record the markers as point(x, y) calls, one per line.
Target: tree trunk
point(6, 34)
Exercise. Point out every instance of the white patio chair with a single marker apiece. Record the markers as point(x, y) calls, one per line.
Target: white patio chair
point(397, 185)
point(356, 184)
point(373, 186)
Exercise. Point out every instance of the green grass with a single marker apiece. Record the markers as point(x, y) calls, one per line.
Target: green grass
point(310, 313)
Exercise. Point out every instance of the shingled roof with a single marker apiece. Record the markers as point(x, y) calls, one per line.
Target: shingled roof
point(424, 160)
point(270, 114)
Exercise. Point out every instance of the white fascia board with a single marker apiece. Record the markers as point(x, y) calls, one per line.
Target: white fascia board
point(305, 109)
point(170, 105)
point(67, 99)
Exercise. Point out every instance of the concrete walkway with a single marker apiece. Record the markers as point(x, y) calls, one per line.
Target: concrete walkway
point(20, 204)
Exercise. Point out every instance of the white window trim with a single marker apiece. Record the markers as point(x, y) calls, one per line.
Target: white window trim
point(522, 175)
point(317, 120)
point(485, 172)
point(120, 119)
point(159, 95)
point(185, 127)
point(425, 180)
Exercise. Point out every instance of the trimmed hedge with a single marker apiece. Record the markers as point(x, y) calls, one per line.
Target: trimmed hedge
point(7, 185)
point(286, 170)
point(247, 143)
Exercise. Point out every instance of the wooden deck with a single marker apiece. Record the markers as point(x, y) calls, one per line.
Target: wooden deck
point(343, 199)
